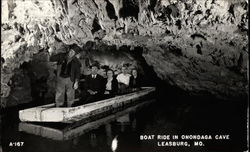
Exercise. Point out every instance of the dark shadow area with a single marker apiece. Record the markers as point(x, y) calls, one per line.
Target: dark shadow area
point(95, 25)
point(110, 10)
point(152, 5)
point(198, 118)
point(167, 12)
point(130, 8)
point(37, 72)
point(172, 10)
point(165, 92)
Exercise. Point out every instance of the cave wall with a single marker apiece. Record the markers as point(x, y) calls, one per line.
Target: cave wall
point(200, 46)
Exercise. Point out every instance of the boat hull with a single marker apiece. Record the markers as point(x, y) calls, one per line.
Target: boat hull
point(75, 130)
point(50, 113)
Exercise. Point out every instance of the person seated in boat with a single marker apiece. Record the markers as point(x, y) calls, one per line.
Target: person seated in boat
point(123, 80)
point(94, 86)
point(111, 84)
point(68, 74)
point(135, 80)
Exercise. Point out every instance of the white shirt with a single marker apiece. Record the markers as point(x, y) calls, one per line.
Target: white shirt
point(109, 84)
point(123, 78)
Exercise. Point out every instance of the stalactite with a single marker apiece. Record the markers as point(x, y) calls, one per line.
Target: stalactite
point(171, 32)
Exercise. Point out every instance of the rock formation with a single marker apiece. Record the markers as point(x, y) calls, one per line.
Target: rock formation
point(200, 46)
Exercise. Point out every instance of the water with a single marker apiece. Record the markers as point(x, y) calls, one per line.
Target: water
point(155, 118)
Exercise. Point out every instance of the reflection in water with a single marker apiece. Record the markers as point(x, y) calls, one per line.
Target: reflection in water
point(108, 130)
point(114, 144)
point(97, 136)
point(88, 134)
point(75, 141)
point(123, 121)
point(72, 131)
point(133, 124)
point(93, 140)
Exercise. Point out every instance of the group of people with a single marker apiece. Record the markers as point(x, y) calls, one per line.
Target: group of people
point(95, 87)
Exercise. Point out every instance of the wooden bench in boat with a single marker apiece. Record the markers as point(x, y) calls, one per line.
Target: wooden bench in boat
point(71, 130)
point(50, 113)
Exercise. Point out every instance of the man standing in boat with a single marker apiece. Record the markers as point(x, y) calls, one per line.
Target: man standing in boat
point(68, 74)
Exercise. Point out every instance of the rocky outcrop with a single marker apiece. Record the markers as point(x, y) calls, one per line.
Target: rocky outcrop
point(200, 46)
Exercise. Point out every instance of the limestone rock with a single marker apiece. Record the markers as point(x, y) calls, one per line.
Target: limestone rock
point(199, 46)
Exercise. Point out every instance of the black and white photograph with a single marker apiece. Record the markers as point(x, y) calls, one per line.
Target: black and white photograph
point(124, 76)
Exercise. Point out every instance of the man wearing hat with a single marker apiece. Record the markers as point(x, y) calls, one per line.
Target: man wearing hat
point(68, 75)
point(94, 86)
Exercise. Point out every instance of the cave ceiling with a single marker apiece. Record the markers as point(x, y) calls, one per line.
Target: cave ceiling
point(196, 45)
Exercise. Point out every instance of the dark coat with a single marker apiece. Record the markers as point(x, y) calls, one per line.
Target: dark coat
point(72, 69)
point(95, 84)
point(114, 86)
point(135, 82)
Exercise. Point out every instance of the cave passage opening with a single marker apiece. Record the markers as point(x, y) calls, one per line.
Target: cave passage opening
point(42, 73)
